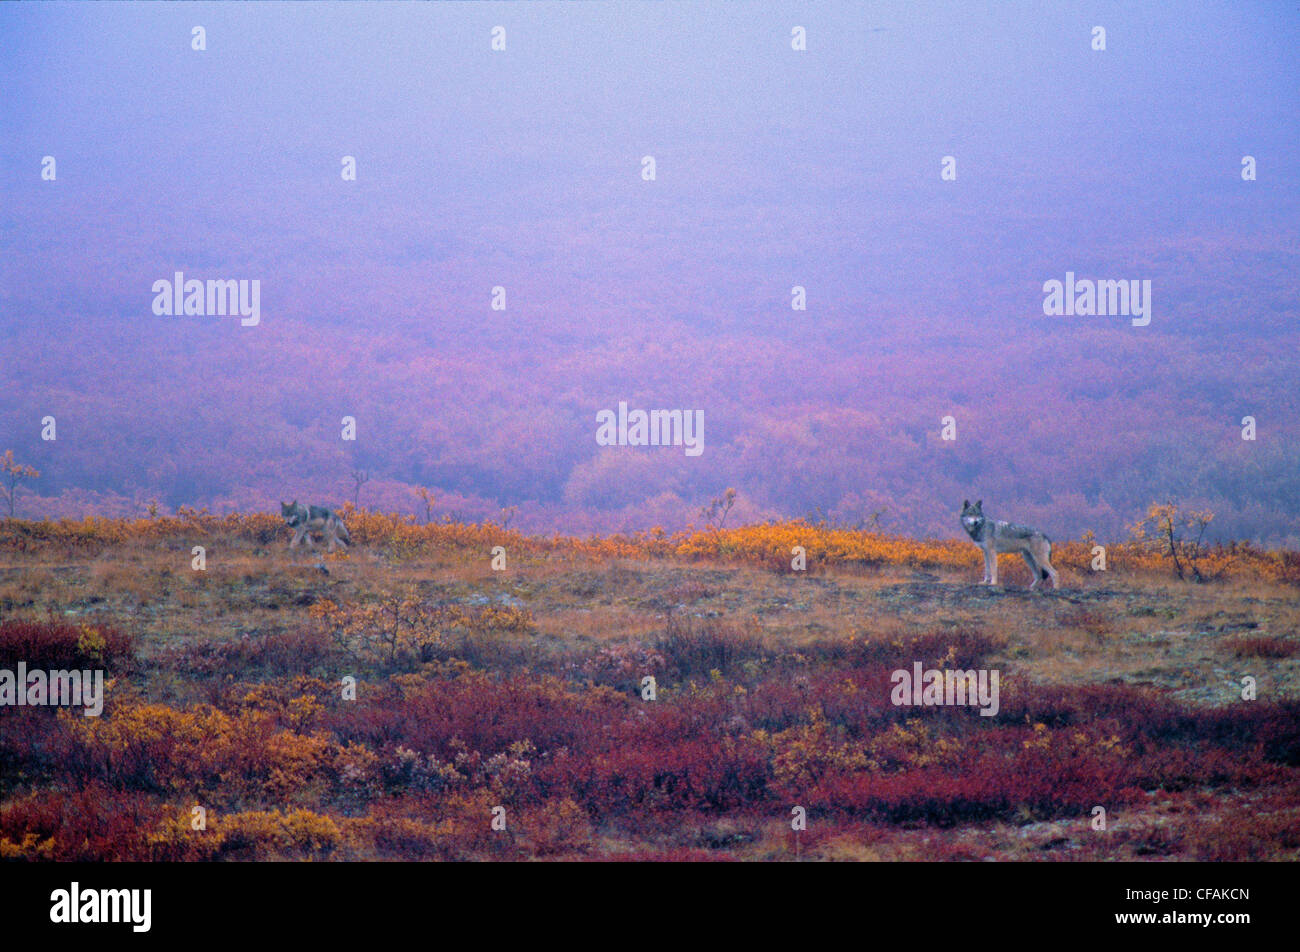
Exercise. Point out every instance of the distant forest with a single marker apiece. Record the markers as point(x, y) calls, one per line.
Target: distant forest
point(840, 421)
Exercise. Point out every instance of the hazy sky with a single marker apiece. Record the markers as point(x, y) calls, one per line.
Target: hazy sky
point(1086, 156)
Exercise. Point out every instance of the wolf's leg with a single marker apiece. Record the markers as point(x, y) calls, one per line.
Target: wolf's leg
point(1044, 557)
point(297, 536)
point(1051, 572)
point(1033, 568)
point(990, 567)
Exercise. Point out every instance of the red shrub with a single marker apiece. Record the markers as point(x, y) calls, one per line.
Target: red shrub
point(485, 714)
point(61, 645)
point(93, 824)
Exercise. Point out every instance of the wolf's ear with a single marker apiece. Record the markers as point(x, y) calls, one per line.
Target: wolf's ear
point(980, 505)
point(965, 503)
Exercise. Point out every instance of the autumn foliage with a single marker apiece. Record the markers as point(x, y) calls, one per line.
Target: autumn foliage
point(461, 709)
point(61, 645)
point(768, 545)
point(414, 766)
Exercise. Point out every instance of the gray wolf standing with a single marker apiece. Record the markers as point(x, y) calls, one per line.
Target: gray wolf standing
point(307, 519)
point(998, 536)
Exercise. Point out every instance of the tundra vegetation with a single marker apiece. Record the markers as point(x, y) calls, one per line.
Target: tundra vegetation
point(522, 689)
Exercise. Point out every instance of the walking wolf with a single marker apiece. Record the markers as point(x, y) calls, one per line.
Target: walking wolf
point(307, 519)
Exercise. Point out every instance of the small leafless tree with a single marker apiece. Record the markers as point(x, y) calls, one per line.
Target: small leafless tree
point(359, 478)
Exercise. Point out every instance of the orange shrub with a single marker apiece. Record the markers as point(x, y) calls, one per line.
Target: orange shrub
point(767, 544)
